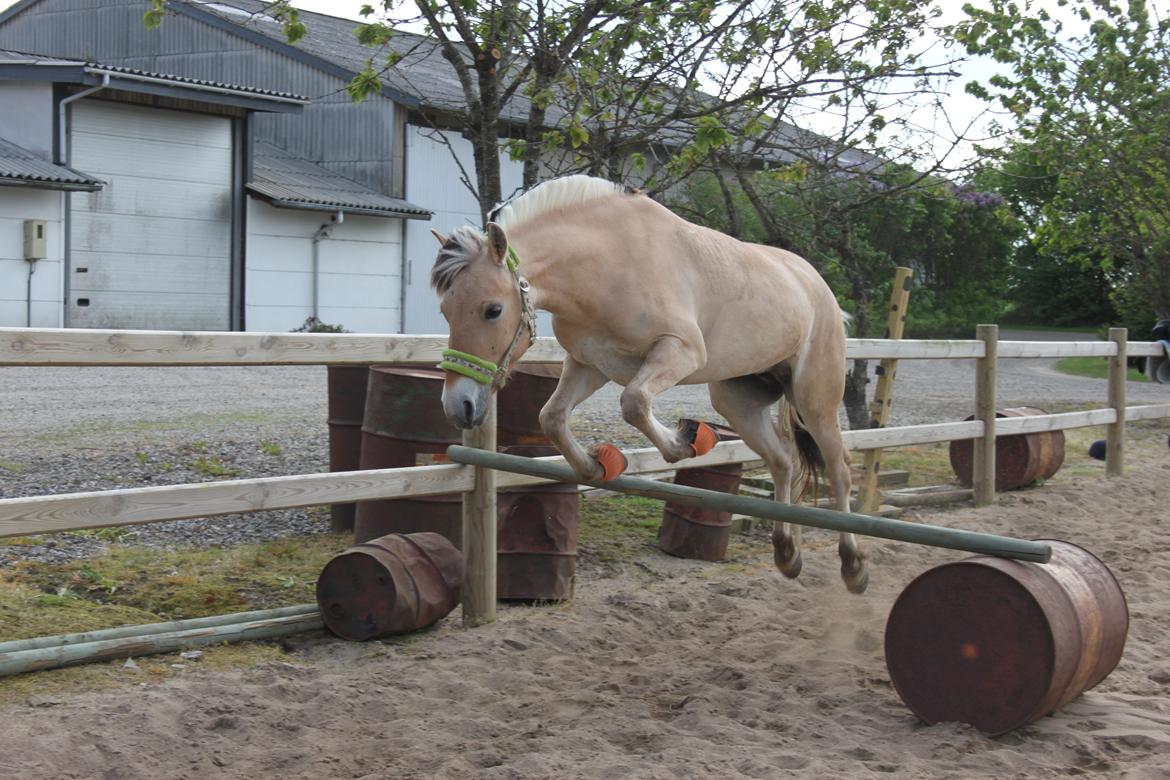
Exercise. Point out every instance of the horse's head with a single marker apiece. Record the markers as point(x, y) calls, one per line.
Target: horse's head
point(486, 304)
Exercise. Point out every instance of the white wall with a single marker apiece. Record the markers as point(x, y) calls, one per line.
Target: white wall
point(16, 205)
point(30, 127)
point(360, 267)
point(433, 182)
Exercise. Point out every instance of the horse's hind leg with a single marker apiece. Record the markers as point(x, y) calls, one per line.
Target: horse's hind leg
point(818, 415)
point(747, 404)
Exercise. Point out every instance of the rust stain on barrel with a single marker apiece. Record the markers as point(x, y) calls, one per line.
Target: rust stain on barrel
point(694, 532)
point(536, 536)
point(998, 643)
point(391, 585)
point(1020, 459)
point(404, 425)
point(347, 403)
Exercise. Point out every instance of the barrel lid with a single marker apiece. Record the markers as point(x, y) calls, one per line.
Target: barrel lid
point(970, 643)
point(357, 593)
point(417, 372)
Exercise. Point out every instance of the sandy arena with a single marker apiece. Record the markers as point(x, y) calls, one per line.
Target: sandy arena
point(675, 669)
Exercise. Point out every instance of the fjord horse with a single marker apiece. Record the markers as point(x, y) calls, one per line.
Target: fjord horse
point(641, 297)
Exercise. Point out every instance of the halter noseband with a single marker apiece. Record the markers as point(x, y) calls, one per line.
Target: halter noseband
point(484, 371)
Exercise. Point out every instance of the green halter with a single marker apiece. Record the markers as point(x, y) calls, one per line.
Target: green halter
point(485, 371)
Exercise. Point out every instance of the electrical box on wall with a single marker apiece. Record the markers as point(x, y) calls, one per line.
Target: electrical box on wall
point(34, 239)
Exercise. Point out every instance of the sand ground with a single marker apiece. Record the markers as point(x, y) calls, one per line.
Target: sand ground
point(671, 669)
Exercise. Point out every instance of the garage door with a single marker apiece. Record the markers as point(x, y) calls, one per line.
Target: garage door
point(152, 249)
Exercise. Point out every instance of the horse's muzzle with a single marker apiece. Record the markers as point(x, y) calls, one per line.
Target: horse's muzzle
point(465, 401)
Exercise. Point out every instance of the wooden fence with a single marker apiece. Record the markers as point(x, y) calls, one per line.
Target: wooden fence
point(74, 511)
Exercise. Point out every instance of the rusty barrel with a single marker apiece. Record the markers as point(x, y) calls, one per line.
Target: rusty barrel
point(347, 404)
point(391, 585)
point(403, 426)
point(536, 539)
point(694, 532)
point(998, 643)
point(519, 404)
point(1020, 459)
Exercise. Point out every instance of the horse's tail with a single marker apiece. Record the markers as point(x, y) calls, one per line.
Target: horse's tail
point(811, 461)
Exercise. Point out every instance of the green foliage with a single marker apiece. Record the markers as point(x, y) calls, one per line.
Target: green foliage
point(315, 325)
point(958, 240)
point(212, 467)
point(1095, 123)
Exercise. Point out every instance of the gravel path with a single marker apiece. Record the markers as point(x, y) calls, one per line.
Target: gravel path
point(92, 428)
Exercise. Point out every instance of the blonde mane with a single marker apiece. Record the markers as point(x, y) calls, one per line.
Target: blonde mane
point(466, 243)
point(554, 194)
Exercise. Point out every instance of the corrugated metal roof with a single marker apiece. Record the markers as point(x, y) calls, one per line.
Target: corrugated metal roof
point(21, 167)
point(422, 73)
point(9, 57)
point(290, 182)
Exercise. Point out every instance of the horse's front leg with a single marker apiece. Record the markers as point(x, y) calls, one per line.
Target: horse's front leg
point(578, 382)
point(669, 361)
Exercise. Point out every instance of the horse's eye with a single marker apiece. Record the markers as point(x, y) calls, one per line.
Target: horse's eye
point(493, 311)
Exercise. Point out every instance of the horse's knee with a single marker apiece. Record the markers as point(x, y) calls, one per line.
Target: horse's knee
point(552, 420)
point(634, 404)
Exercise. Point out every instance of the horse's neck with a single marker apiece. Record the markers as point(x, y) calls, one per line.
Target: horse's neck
point(547, 265)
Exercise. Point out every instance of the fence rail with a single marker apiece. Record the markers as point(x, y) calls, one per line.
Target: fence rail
point(74, 511)
point(68, 347)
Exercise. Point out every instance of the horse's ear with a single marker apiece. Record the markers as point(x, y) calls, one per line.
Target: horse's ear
point(497, 241)
point(442, 239)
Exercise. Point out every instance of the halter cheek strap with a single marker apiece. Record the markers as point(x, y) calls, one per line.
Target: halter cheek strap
point(485, 371)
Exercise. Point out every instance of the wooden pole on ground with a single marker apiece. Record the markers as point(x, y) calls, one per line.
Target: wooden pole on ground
point(983, 462)
point(479, 530)
point(883, 396)
point(1115, 434)
point(886, 528)
point(58, 655)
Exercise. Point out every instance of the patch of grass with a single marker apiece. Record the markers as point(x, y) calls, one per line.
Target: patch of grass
point(112, 534)
point(212, 467)
point(168, 584)
point(271, 448)
point(186, 423)
point(11, 466)
point(26, 610)
point(1094, 368)
point(928, 464)
point(134, 585)
point(618, 528)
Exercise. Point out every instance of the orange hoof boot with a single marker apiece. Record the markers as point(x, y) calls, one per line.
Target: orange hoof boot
point(702, 436)
point(611, 460)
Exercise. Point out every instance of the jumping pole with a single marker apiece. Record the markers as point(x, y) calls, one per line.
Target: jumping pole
point(915, 533)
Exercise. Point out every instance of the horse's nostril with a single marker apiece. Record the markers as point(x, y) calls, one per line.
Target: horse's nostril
point(468, 411)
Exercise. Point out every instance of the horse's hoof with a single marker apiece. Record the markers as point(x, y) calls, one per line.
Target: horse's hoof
point(701, 436)
point(856, 576)
point(787, 557)
point(611, 460)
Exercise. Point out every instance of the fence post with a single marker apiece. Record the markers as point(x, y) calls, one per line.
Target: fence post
point(479, 530)
point(879, 411)
point(1115, 434)
point(983, 463)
